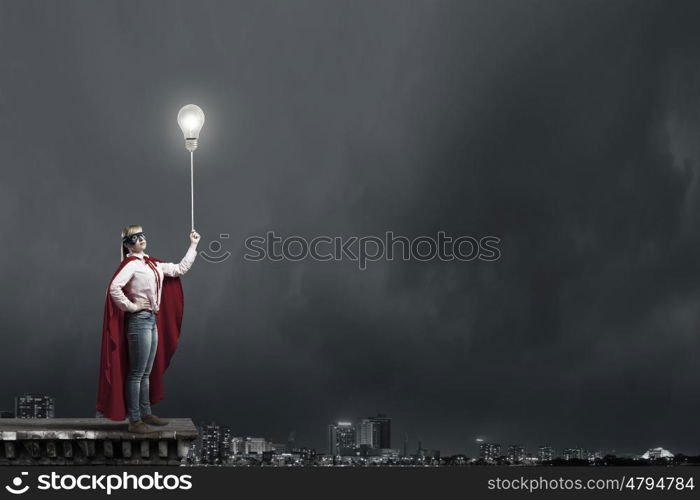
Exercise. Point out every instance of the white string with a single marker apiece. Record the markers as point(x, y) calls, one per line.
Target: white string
point(192, 186)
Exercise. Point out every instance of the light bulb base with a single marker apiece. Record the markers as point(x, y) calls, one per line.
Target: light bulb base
point(191, 144)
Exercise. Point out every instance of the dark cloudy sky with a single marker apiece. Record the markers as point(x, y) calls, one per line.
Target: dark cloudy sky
point(570, 129)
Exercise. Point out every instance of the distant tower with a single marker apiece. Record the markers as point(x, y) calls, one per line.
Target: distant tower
point(225, 443)
point(34, 406)
point(405, 444)
point(545, 453)
point(573, 453)
point(489, 451)
point(382, 431)
point(332, 441)
point(238, 445)
point(290, 442)
point(366, 433)
point(210, 451)
point(341, 438)
point(516, 453)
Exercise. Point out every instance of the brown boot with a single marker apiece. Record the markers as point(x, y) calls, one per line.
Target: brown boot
point(152, 419)
point(139, 427)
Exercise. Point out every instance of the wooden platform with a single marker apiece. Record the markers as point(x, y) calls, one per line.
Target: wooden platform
point(92, 441)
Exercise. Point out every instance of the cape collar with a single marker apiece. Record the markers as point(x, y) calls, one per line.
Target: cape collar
point(138, 255)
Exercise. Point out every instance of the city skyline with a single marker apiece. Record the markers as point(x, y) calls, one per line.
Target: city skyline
point(489, 453)
point(36, 405)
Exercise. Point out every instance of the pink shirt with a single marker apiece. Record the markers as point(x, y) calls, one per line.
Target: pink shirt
point(139, 281)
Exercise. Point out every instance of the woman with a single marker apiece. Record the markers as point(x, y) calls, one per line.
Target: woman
point(141, 328)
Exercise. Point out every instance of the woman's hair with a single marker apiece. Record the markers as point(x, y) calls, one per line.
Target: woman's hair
point(128, 231)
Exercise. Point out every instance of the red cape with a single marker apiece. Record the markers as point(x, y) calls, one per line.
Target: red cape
point(114, 357)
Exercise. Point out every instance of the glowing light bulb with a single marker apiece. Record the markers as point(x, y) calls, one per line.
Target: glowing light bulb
point(191, 120)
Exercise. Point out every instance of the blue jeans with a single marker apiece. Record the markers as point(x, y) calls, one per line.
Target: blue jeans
point(142, 335)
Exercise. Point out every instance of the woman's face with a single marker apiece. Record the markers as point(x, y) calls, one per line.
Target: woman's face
point(139, 246)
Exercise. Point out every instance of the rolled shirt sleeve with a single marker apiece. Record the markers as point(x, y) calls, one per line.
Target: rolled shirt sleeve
point(175, 270)
point(115, 289)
